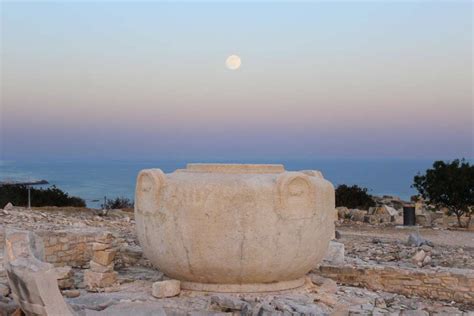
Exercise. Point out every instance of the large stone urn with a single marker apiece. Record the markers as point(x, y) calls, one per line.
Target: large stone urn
point(233, 227)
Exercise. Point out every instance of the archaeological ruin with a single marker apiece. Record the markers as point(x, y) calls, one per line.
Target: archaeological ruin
point(229, 239)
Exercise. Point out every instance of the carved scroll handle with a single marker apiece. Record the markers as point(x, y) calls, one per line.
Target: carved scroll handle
point(295, 196)
point(150, 183)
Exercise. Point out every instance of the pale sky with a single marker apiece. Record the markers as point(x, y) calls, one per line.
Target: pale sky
point(318, 79)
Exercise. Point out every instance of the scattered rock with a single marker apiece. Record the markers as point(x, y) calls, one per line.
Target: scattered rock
point(427, 248)
point(419, 257)
point(8, 207)
point(376, 241)
point(71, 293)
point(325, 284)
point(4, 290)
point(416, 240)
point(167, 288)
point(229, 302)
point(335, 253)
point(358, 215)
point(426, 260)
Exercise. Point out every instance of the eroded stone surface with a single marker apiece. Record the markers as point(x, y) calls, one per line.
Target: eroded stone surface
point(225, 224)
point(32, 281)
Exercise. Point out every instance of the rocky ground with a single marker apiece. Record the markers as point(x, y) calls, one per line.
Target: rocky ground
point(320, 296)
point(388, 245)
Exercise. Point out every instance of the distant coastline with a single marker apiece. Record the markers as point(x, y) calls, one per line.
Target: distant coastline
point(92, 180)
point(32, 182)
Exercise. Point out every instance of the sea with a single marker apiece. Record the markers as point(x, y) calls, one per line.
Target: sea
point(94, 180)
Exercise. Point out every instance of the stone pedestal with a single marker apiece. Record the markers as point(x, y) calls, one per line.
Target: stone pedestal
point(101, 273)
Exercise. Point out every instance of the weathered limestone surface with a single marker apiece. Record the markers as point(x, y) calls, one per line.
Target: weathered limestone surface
point(440, 283)
point(218, 225)
point(33, 282)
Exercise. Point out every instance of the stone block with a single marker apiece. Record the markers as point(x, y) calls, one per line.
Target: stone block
point(33, 282)
point(357, 215)
point(335, 253)
point(167, 288)
point(103, 257)
point(96, 267)
point(94, 280)
point(104, 237)
point(100, 246)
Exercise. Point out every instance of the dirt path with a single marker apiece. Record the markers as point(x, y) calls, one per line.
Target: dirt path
point(455, 238)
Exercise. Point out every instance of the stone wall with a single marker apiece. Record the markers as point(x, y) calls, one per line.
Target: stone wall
point(439, 283)
point(72, 247)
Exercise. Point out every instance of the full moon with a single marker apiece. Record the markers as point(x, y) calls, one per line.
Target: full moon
point(233, 62)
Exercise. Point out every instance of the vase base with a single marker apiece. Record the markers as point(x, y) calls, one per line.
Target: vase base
point(243, 288)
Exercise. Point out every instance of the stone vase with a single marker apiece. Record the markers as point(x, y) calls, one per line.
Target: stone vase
point(234, 227)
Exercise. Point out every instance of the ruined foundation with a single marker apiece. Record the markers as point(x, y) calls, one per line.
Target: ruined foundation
point(233, 227)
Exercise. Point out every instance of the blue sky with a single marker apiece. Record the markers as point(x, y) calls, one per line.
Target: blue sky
point(318, 79)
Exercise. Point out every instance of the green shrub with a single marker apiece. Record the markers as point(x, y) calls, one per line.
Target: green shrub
point(353, 197)
point(52, 196)
point(118, 203)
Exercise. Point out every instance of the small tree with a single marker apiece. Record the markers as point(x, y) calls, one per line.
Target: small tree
point(449, 185)
point(353, 197)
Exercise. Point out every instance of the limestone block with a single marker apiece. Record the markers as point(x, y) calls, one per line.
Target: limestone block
point(94, 280)
point(261, 215)
point(71, 293)
point(64, 272)
point(335, 253)
point(104, 257)
point(100, 246)
point(357, 215)
point(342, 212)
point(167, 288)
point(33, 282)
point(105, 237)
point(97, 267)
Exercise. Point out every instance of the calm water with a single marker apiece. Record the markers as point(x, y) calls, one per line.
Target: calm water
point(92, 180)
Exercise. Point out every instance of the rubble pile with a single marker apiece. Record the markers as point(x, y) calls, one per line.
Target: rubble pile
point(402, 254)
